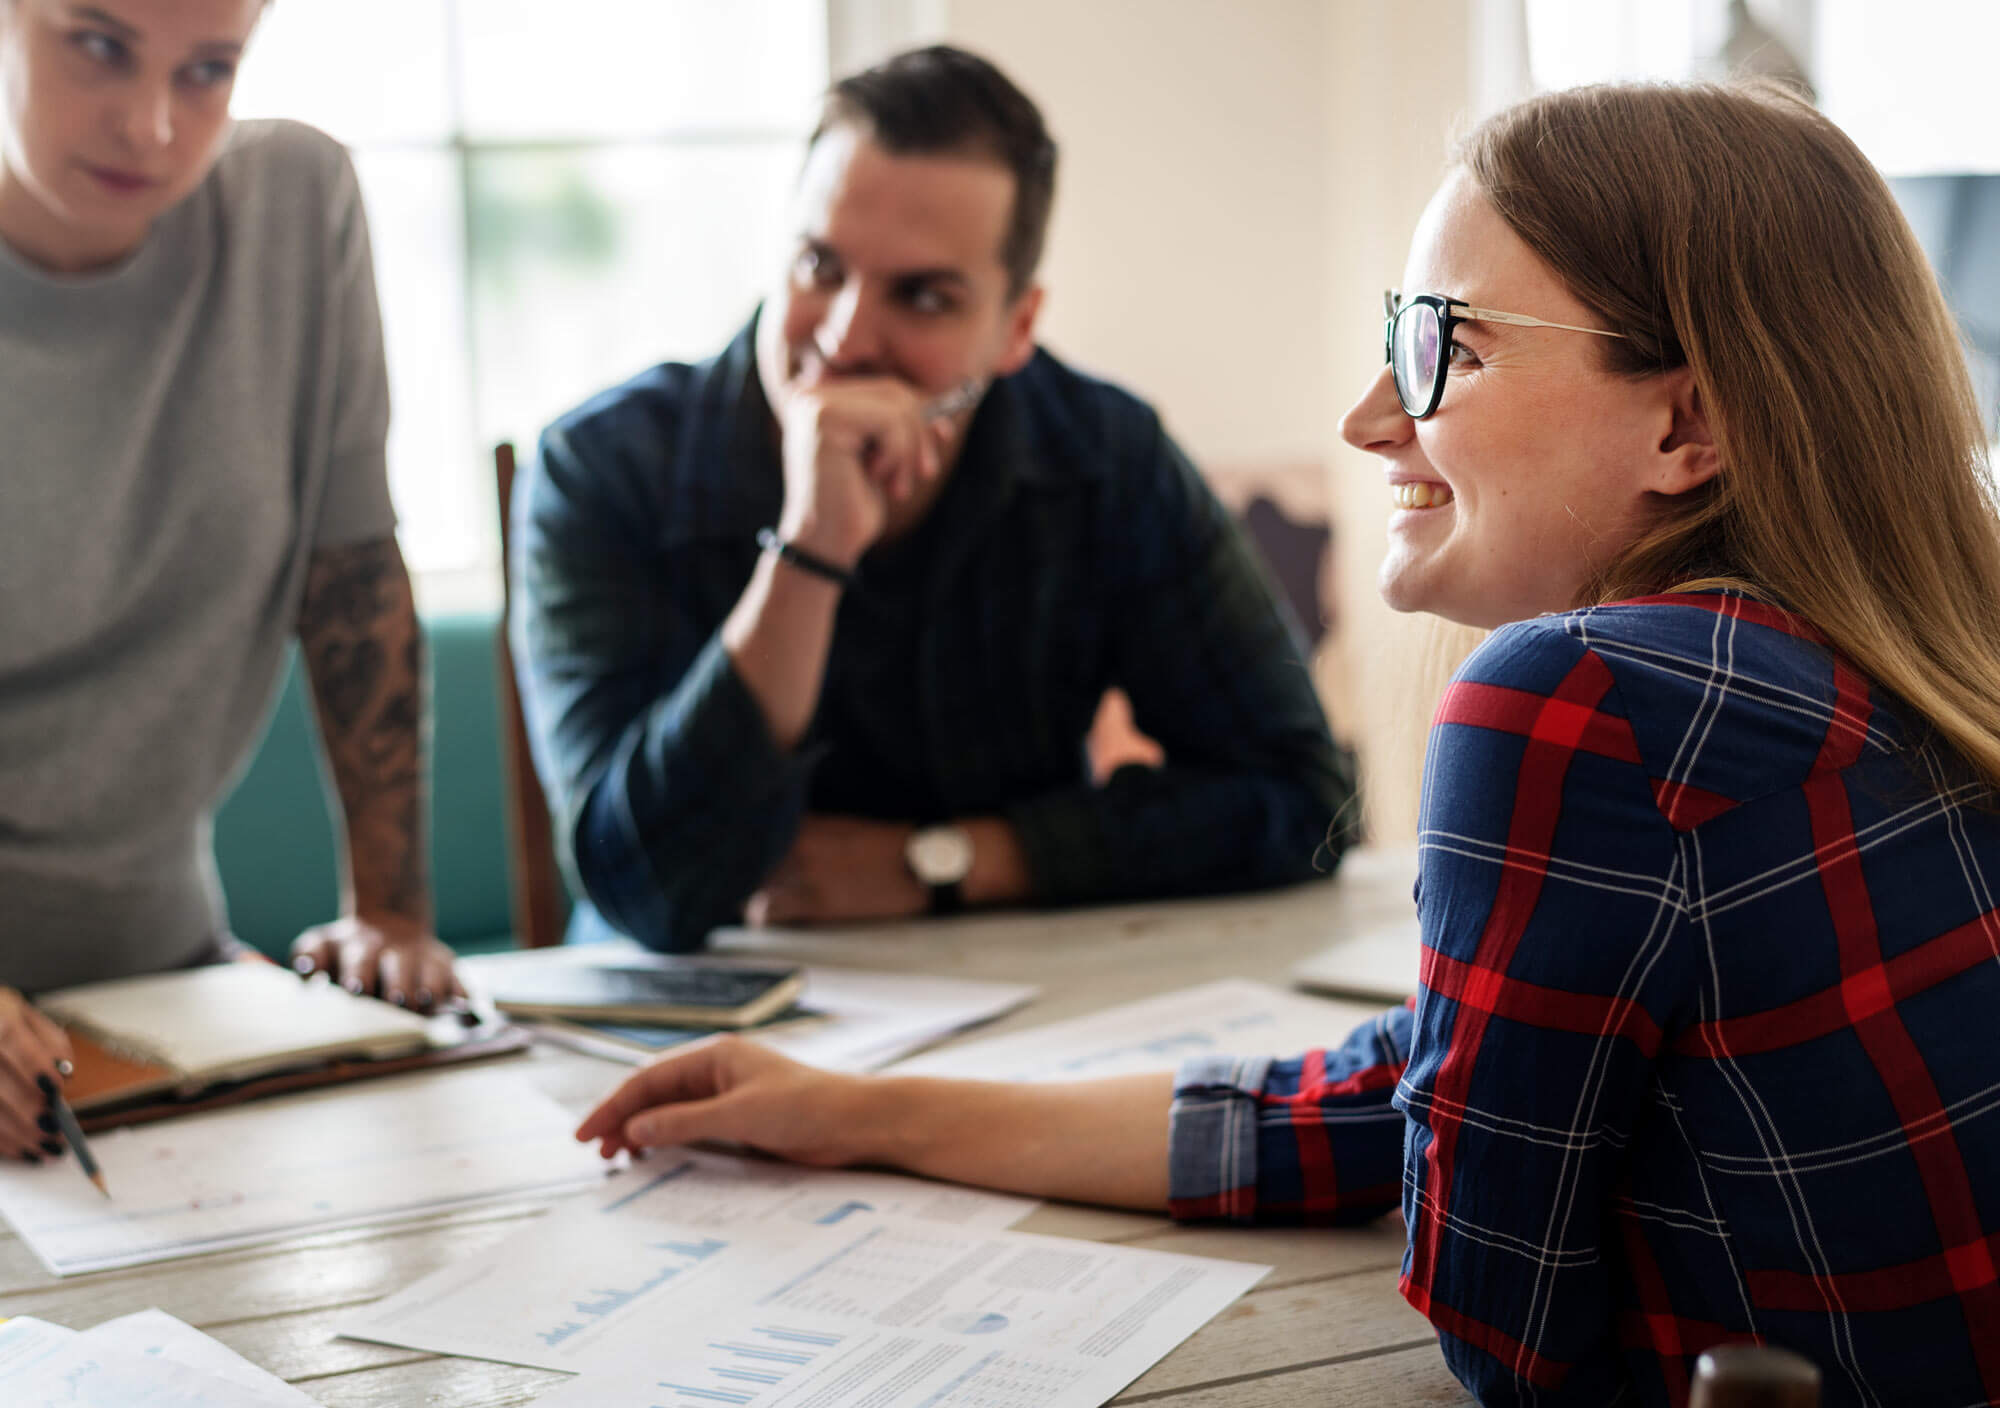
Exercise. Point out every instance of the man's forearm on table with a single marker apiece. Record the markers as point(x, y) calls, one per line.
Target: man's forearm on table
point(1173, 830)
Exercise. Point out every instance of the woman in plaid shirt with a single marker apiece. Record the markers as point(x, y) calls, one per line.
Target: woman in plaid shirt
point(1710, 880)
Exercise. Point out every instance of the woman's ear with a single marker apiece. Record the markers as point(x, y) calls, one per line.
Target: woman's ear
point(1686, 457)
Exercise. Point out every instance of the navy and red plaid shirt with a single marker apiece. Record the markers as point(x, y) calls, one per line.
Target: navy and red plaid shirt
point(1702, 1053)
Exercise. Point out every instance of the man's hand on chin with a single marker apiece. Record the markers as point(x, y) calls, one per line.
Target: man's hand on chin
point(841, 868)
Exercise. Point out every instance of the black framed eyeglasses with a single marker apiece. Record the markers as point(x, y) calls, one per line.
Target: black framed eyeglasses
point(1416, 336)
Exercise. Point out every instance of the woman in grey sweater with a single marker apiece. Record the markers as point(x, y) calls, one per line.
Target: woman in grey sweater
point(194, 405)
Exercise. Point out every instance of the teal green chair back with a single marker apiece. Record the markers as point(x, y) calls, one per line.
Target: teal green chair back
point(274, 839)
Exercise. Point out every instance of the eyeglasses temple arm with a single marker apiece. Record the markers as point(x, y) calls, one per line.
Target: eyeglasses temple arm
point(1490, 315)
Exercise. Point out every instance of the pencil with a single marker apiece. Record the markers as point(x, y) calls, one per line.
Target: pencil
point(73, 1132)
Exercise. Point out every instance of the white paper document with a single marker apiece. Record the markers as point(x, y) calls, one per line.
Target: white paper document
point(899, 1315)
point(697, 1188)
point(158, 1335)
point(1234, 1016)
point(867, 1019)
point(874, 1018)
point(147, 1360)
point(862, 1290)
point(669, 1238)
point(401, 1147)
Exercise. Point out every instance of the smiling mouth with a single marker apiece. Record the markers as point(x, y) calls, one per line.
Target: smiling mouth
point(1420, 495)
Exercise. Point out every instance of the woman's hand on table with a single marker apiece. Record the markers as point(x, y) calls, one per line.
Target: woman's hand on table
point(730, 1090)
point(34, 1053)
point(1097, 1141)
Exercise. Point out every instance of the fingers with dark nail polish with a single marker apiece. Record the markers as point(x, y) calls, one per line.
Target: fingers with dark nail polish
point(47, 1123)
point(53, 1149)
point(48, 1087)
point(31, 1158)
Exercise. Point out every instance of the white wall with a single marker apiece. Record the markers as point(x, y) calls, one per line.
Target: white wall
point(1239, 181)
point(1185, 258)
point(1401, 78)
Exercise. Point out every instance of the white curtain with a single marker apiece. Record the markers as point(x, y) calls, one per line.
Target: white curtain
point(862, 32)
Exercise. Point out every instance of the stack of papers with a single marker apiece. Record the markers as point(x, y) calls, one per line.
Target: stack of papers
point(618, 1267)
point(865, 1020)
point(1234, 1017)
point(876, 1018)
point(148, 1360)
point(695, 1278)
point(398, 1148)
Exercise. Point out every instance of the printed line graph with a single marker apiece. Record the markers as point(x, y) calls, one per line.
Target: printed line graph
point(667, 1176)
point(844, 1211)
point(603, 1303)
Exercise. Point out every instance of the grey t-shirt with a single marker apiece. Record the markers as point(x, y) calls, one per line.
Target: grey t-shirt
point(179, 434)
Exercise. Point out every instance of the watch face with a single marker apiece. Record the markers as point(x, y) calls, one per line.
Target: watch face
point(940, 855)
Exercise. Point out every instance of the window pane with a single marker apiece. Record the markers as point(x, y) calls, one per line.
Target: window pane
point(364, 70)
point(1888, 74)
point(612, 68)
point(1588, 41)
point(442, 482)
point(628, 163)
point(590, 266)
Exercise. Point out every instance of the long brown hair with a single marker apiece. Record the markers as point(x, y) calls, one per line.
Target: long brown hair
point(1734, 230)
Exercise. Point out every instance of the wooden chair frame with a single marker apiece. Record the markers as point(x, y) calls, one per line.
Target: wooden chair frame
point(535, 882)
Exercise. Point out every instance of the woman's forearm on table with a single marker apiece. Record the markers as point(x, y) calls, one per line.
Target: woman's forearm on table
point(1101, 1141)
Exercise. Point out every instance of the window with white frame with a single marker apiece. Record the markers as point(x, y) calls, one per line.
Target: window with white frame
point(1886, 80)
point(1571, 42)
point(559, 195)
point(1874, 69)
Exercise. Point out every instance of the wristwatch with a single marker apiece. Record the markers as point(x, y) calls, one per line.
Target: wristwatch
point(941, 857)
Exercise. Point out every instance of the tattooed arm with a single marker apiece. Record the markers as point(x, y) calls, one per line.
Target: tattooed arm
point(364, 654)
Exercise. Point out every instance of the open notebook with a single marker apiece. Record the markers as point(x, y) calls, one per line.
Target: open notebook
point(199, 1027)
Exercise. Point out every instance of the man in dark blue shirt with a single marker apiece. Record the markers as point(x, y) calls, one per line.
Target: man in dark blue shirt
point(815, 630)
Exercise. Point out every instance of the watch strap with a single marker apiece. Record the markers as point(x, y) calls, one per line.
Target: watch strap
point(769, 541)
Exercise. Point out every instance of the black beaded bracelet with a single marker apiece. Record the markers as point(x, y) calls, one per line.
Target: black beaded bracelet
point(769, 541)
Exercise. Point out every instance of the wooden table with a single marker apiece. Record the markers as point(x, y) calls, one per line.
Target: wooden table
point(1326, 1327)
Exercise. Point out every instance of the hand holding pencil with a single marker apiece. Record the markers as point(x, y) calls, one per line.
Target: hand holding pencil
point(65, 1119)
point(32, 1050)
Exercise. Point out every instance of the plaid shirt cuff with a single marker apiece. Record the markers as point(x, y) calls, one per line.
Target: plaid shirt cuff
point(1212, 1143)
point(1314, 1138)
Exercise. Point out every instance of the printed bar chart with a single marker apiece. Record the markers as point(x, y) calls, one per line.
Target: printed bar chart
point(765, 1357)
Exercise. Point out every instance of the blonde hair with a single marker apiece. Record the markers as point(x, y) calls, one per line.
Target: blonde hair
point(1734, 230)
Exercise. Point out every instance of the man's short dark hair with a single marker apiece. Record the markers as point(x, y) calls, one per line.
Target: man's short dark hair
point(945, 101)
